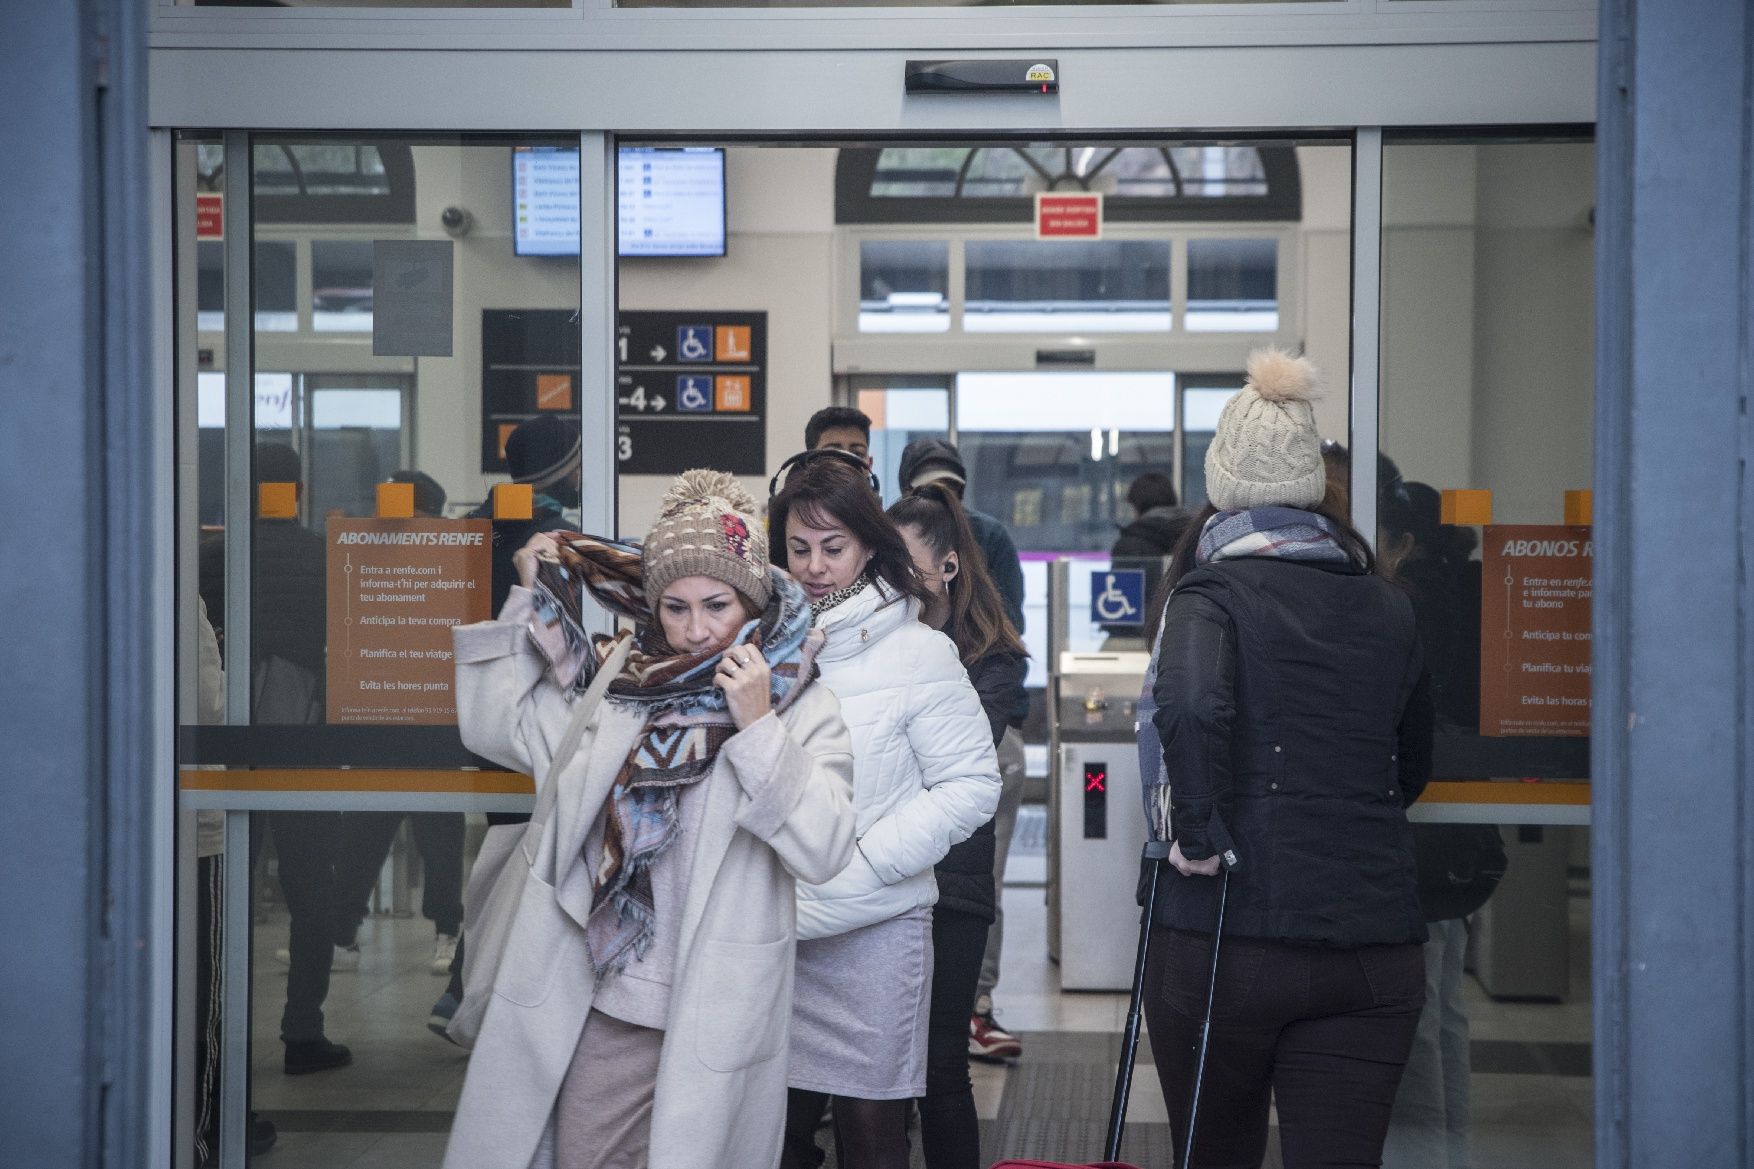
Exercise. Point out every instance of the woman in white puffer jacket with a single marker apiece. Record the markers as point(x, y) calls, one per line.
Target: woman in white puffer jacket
point(925, 776)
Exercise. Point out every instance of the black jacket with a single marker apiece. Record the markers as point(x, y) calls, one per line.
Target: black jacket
point(965, 875)
point(288, 592)
point(1155, 533)
point(508, 537)
point(1296, 721)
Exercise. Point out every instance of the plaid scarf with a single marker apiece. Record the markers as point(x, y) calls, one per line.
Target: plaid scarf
point(1282, 533)
point(686, 716)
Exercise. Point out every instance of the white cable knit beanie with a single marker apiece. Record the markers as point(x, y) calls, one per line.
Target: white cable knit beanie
point(1266, 451)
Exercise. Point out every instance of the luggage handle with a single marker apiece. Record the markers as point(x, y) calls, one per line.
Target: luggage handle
point(1156, 853)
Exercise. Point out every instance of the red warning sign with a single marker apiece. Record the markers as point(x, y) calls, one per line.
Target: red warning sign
point(210, 216)
point(1062, 216)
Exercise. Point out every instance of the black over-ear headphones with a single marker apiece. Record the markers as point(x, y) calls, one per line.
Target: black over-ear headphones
point(827, 452)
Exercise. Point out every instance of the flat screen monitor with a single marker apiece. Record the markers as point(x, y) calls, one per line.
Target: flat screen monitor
point(670, 201)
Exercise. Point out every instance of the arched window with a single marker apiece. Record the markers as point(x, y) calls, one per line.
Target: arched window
point(323, 180)
point(997, 184)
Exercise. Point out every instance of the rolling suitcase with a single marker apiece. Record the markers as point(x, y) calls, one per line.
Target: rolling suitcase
point(1157, 855)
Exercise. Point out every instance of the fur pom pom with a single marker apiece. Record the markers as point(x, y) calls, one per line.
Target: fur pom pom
point(1278, 376)
point(702, 483)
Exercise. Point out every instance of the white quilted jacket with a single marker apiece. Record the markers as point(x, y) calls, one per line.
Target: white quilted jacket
point(924, 772)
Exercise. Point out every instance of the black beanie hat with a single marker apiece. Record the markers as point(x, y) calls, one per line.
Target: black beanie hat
point(429, 497)
point(542, 451)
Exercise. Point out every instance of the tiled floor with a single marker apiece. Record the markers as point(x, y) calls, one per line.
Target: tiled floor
point(389, 1109)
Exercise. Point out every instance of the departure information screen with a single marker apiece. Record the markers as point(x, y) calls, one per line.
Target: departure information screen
point(670, 202)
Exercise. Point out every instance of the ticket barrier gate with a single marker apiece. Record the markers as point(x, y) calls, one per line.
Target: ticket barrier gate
point(1096, 818)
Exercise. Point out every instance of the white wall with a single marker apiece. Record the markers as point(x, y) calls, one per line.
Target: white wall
point(1534, 344)
point(1326, 173)
point(1487, 306)
point(447, 419)
point(779, 259)
point(1488, 342)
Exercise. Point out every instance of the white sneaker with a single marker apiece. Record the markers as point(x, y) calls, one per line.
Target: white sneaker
point(444, 952)
point(346, 957)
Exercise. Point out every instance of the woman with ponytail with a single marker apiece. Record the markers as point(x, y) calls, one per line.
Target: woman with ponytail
point(966, 607)
point(649, 1026)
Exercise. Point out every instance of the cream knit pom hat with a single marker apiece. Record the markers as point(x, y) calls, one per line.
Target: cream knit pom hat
point(1266, 451)
point(707, 527)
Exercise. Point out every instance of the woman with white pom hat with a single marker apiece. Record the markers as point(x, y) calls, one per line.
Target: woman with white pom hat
point(1293, 719)
point(640, 1009)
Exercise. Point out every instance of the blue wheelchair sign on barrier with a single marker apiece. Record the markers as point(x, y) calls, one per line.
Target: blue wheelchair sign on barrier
point(1117, 597)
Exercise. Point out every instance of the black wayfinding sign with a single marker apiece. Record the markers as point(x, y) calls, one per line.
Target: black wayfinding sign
point(690, 387)
point(529, 367)
point(691, 391)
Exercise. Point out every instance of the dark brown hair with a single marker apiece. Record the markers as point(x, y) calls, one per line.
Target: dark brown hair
point(978, 624)
point(1334, 506)
point(829, 493)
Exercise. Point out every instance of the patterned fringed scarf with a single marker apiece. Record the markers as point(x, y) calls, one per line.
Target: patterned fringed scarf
point(1284, 533)
point(686, 717)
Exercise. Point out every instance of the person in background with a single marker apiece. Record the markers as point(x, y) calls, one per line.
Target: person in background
point(924, 778)
point(840, 428)
point(965, 607)
point(209, 898)
point(544, 452)
point(366, 836)
point(639, 1014)
point(288, 607)
point(1459, 865)
point(931, 460)
point(1158, 523)
point(1294, 717)
point(1158, 520)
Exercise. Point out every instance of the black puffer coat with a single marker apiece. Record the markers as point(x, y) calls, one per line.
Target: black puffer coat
point(965, 875)
point(1296, 721)
point(508, 537)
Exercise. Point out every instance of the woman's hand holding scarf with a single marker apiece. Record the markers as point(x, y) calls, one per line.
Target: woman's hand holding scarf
point(542, 546)
point(746, 680)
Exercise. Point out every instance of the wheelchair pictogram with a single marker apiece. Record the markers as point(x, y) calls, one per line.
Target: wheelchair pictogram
point(1117, 598)
point(694, 342)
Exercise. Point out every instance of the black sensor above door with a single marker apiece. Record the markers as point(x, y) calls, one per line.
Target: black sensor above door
point(985, 75)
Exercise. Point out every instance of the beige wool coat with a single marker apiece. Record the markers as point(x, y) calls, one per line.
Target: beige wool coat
point(778, 811)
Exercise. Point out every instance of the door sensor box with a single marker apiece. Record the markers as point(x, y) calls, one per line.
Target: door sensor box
point(985, 75)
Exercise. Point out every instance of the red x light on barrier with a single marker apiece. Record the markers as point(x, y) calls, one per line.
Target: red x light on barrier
point(1095, 781)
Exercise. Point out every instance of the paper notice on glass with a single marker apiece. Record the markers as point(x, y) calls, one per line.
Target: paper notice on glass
point(411, 298)
point(1537, 584)
point(396, 588)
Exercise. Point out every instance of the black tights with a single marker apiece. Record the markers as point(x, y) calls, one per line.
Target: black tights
point(950, 1136)
point(868, 1134)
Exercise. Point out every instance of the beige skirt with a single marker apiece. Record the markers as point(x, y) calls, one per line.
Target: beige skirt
point(860, 1003)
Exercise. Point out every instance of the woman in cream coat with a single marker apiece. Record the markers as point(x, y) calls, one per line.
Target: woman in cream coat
point(652, 1028)
point(925, 776)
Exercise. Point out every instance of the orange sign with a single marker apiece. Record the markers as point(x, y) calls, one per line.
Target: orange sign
point(396, 587)
point(553, 392)
point(731, 393)
point(1536, 583)
point(731, 343)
